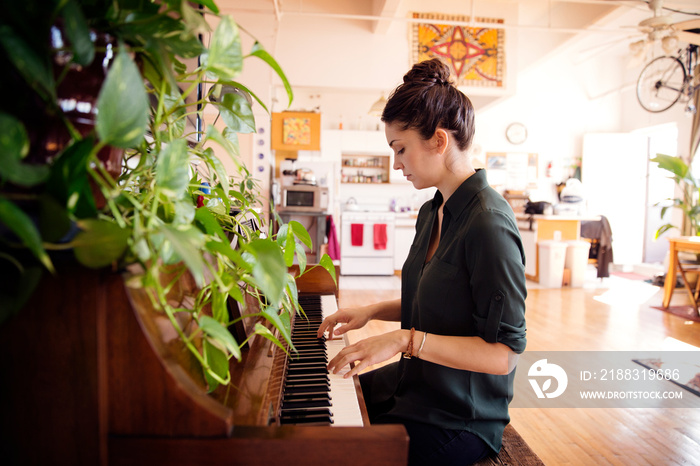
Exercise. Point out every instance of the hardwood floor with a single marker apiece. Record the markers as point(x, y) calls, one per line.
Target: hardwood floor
point(610, 315)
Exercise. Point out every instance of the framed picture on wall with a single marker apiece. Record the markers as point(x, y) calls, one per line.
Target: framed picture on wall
point(294, 131)
point(512, 170)
point(495, 161)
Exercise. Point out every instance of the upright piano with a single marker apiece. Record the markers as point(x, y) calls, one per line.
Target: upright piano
point(92, 375)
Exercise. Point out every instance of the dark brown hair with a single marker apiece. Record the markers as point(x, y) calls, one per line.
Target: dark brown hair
point(427, 100)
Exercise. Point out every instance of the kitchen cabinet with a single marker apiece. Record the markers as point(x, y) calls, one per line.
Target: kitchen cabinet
point(364, 168)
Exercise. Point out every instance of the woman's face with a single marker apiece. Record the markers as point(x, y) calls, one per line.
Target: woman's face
point(417, 158)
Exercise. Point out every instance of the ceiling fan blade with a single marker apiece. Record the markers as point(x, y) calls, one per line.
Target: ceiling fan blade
point(690, 37)
point(688, 31)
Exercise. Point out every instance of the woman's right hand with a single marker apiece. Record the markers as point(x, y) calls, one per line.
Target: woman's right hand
point(352, 318)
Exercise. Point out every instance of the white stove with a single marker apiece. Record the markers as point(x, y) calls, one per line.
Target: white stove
point(367, 243)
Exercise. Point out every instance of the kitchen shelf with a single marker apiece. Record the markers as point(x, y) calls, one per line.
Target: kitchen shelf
point(365, 169)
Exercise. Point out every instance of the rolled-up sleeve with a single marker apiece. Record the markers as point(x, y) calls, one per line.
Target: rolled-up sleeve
point(497, 278)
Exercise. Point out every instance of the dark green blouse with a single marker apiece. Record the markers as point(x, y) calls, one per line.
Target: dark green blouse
point(474, 285)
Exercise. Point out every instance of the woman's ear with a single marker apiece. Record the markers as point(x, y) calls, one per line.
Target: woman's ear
point(442, 139)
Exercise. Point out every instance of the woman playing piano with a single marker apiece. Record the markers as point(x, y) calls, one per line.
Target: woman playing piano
point(462, 305)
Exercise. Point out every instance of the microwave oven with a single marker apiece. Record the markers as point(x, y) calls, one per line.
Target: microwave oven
point(303, 198)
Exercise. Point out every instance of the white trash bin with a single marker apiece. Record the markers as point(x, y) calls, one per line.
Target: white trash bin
point(576, 261)
point(552, 258)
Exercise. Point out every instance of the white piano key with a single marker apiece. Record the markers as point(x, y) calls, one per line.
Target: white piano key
point(345, 406)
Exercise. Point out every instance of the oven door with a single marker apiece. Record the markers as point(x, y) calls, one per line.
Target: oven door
point(360, 238)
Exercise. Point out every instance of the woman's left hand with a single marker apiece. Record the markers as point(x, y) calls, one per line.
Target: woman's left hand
point(370, 351)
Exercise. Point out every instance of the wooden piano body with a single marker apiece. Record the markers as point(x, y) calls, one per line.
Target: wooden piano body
point(89, 376)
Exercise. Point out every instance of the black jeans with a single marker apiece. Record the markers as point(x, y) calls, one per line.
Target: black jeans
point(429, 445)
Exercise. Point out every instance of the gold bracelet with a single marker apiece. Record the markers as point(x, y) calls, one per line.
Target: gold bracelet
point(409, 350)
point(425, 334)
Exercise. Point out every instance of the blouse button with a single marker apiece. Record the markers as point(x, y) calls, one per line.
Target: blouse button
point(498, 297)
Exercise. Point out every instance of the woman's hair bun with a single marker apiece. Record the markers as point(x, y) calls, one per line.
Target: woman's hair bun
point(430, 71)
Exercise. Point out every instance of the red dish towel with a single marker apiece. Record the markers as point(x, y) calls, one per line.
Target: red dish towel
point(380, 236)
point(356, 233)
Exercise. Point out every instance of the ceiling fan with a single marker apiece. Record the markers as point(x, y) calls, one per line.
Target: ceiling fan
point(662, 27)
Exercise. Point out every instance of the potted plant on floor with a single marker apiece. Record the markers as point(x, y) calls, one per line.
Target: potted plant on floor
point(688, 201)
point(97, 158)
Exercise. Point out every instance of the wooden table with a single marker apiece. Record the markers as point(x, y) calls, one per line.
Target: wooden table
point(681, 243)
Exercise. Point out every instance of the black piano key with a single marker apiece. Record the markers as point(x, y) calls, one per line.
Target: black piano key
point(292, 405)
point(320, 377)
point(317, 388)
point(307, 370)
point(303, 416)
point(306, 396)
point(309, 421)
point(310, 360)
point(290, 387)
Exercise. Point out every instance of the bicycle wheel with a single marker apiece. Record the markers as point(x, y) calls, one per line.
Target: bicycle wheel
point(660, 84)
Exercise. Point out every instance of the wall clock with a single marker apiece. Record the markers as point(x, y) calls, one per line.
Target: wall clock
point(516, 133)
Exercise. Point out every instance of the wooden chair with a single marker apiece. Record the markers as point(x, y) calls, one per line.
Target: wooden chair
point(693, 289)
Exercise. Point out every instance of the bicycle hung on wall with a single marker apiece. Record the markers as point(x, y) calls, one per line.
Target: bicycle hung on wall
point(665, 80)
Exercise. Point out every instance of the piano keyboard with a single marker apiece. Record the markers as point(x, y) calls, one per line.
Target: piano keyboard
point(311, 395)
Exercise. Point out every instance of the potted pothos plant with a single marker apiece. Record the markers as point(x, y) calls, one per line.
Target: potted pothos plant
point(110, 177)
point(688, 201)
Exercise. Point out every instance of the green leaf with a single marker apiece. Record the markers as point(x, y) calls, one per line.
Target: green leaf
point(218, 168)
point(166, 36)
point(122, 106)
point(69, 179)
point(663, 229)
point(237, 114)
point(301, 233)
point(99, 243)
point(188, 244)
point(21, 225)
point(269, 268)
point(184, 212)
point(327, 263)
point(224, 61)
point(35, 69)
point(224, 202)
point(258, 51)
point(280, 320)
point(289, 248)
point(219, 311)
point(173, 170)
point(232, 137)
point(175, 110)
point(209, 223)
point(53, 219)
point(251, 93)
point(78, 33)
point(225, 250)
point(14, 146)
point(301, 256)
point(263, 331)
point(675, 165)
point(292, 290)
point(14, 143)
point(215, 135)
point(218, 365)
point(220, 334)
point(282, 233)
